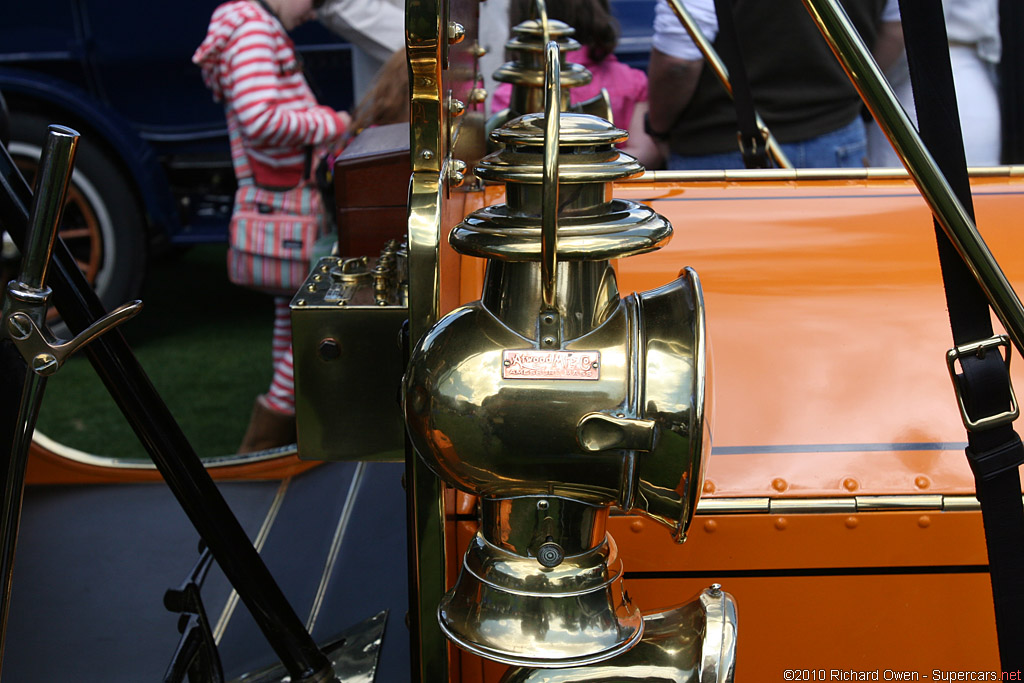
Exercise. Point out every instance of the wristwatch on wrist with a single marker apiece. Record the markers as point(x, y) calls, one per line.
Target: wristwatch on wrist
point(657, 135)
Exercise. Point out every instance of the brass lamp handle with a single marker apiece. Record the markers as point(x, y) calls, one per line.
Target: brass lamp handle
point(549, 194)
point(542, 17)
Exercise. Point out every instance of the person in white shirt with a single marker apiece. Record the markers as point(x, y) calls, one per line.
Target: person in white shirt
point(376, 29)
point(972, 27)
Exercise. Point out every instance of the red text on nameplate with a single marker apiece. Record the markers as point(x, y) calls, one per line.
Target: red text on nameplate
point(544, 364)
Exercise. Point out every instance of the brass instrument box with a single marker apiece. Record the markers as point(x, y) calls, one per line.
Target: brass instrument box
point(346, 326)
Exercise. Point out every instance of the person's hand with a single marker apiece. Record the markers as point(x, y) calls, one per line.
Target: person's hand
point(346, 119)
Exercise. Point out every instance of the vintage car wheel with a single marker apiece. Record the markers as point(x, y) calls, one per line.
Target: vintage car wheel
point(103, 224)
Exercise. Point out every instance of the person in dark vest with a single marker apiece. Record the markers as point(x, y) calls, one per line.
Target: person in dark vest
point(797, 85)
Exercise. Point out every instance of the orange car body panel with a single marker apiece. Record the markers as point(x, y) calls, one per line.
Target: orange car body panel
point(828, 329)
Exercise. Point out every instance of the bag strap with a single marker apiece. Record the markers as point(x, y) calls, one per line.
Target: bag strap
point(752, 142)
point(307, 161)
point(994, 450)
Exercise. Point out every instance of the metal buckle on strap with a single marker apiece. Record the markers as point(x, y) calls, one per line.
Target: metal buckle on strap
point(979, 349)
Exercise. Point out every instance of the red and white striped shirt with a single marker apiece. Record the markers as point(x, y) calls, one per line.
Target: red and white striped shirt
point(249, 63)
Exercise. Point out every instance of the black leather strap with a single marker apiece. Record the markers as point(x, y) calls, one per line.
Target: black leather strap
point(1011, 80)
point(752, 142)
point(655, 134)
point(994, 454)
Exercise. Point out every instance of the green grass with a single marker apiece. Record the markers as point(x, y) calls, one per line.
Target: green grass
point(205, 345)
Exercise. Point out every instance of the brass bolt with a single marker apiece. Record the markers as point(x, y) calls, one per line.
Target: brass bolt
point(18, 326)
point(456, 172)
point(44, 364)
point(456, 32)
point(329, 349)
point(550, 554)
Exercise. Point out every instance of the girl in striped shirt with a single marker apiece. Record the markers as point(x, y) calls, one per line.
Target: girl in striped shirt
point(274, 120)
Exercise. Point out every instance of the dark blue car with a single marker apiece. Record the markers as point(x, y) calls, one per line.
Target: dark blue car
point(153, 164)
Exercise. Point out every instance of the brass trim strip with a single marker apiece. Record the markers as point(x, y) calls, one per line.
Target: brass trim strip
point(75, 455)
point(838, 504)
point(261, 539)
point(904, 502)
point(426, 47)
point(796, 506)
point(958, 503)
point(791, 174)
point(335, 549)
point(732, 506)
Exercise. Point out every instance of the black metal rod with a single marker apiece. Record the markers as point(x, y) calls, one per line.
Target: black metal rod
point(173, 455)
point(14, 492)
point(54, 174)
point(30, 294)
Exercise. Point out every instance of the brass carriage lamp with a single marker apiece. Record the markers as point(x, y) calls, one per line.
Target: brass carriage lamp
point(526, 71)
point(553, 399)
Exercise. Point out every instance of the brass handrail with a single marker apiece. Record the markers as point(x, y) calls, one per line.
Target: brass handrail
point(951, 215)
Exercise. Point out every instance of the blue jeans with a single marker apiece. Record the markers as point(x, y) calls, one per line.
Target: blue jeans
point(842, 148)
